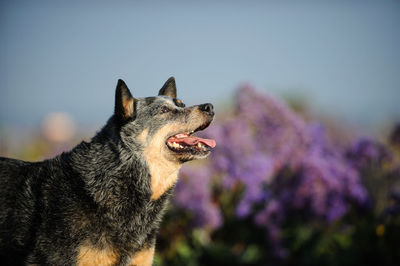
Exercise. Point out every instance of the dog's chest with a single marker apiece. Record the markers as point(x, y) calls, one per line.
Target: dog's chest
point(135, 242)
point(91, 256)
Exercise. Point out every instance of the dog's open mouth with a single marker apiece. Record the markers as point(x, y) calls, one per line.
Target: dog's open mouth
point(187, 143)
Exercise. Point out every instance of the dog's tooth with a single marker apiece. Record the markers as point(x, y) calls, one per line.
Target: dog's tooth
point(180, 146)
point(199, 144)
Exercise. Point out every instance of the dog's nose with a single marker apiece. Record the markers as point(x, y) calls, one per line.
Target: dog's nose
point(207, 107)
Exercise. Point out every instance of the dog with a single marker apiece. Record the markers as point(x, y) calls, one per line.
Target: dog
point(102, 202)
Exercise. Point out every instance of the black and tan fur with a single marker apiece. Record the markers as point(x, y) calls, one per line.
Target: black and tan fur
point(102, 202)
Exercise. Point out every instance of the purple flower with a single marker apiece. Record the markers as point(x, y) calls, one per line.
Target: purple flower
point(338, 207)
point(272, 212)
point(193, 194)
point(366, 153)
point(321, 180)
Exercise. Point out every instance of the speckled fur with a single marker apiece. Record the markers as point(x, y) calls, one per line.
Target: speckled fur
point(97, 199)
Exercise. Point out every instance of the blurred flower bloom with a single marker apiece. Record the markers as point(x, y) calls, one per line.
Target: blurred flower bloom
point(193, 193)
point(58, 127)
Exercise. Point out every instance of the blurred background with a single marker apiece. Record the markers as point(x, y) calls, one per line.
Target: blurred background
point(306, 167)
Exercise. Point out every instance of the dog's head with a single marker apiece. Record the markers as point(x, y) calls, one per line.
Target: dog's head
point(163, 126)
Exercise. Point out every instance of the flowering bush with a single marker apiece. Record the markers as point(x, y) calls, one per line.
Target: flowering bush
point(278, 189)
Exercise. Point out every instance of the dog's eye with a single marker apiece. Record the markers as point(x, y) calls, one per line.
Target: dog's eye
point(165, 109)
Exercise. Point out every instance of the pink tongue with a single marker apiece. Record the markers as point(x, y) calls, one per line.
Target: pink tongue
point(192, 140)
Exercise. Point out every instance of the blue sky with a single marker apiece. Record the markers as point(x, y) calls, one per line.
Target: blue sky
point(340, 56)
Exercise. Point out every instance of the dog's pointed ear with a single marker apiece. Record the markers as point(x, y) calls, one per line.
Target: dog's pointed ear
point(124, 102)
point(169, 88)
